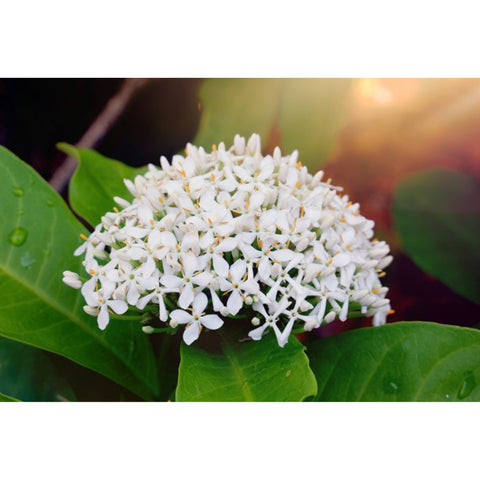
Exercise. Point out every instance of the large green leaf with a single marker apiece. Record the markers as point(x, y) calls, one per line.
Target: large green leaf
point(437, 215)
point(28, 374)
point(96, 181)
point(311, 115)
point(236, 105)
point(305, 114)
point(407, 361)
point(245, 371)
point(6, 398)
point(37, 237)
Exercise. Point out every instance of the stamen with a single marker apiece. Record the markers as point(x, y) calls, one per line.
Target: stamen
point(83, 236)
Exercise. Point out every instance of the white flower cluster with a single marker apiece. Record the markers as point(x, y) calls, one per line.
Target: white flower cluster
point(233, 233)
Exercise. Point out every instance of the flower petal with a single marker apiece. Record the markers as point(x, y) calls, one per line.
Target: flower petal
point(234, 303)
point(212, 321)
point(181, 316)
point(191, 333)
point(199, 303)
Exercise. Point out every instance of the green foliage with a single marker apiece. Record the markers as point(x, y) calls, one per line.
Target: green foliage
point(408, 361)
point(307, 114)
point(96, 181)
point(6, 398)
point(245, 371)
point(437, 214)
point(28, 374)
point(38, 235)
point(236, 105)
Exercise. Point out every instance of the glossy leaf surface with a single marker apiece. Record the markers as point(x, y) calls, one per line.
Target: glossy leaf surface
point(245, 371)
point(38, 235)
point(96, 181)
point(406, 361)
point(437, 215)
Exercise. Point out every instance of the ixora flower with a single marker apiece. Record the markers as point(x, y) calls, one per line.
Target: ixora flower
point(234, 235)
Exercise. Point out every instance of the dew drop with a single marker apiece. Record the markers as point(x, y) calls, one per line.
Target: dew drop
point(467, 386)
point(17, 236)
point(389, 386)
point(18, 191)
point(26, 260)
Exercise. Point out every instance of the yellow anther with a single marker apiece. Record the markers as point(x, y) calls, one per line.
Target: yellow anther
point(83, 236)
point(348, 204)
point(115, 209)
point(297, 185)
point(160, 199)
point(214, 148)
point(212, 176)
point(91, 271)
point(302, 212)
point(329, 262)
point(380, 275)
point(187, 188)
point(390, 312)
point(342, 220)
point(375, 290)
point(329, 181)
point(151, 222)
point(299, 165)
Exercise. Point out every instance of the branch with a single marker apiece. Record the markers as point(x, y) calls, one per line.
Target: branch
point(99, 128)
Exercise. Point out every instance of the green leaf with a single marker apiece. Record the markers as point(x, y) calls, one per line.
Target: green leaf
point(38, 235)
point(406, 361)
point(245, 371)
point(236, 105)
point(437, 216)
point(311, 115)
point(28, 374)
point(6, 398)
point(96, 181)
point(306, 113)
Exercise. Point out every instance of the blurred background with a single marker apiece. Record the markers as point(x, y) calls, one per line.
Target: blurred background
point(368, 135)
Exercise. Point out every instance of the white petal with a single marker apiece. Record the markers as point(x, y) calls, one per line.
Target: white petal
point(187, 296)
point(264, 268)
point(202, 279)
point(220, 265)
point(285, 255)
point(206, 239)
point(181, 316)
point(103, 318)
point(226, 245)
point(191, 333)
point(212, 321)
point(257, 333)
point(341, 260)
point(234, 303)
point(238, 270)
point(171, 281)
point(118, 306)
point(145, 214)
point(200, 303)
point(142, 302)
point(190, 263)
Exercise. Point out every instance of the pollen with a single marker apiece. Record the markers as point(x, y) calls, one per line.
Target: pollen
point(83, 236)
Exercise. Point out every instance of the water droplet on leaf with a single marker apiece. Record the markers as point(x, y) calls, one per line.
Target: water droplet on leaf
point(18, 236)
point(390, 386)
point(18, 191)
point(26, 260)
point(467, 386)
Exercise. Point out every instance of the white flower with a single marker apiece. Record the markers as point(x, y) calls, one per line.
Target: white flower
point(196, 319)
point(230, 233)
